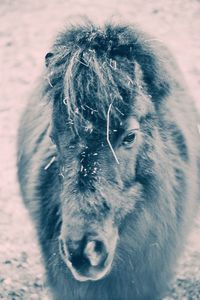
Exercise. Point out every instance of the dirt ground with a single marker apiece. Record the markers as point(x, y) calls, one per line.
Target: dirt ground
point(26, 31)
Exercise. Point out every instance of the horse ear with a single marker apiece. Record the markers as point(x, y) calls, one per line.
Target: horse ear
point(48, 57)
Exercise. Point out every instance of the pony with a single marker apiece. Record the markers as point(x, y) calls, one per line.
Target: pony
point(108, 163)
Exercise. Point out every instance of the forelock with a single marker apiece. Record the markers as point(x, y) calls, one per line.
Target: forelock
point(93, 69)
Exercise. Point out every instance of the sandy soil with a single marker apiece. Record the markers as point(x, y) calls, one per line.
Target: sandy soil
point(26, 30)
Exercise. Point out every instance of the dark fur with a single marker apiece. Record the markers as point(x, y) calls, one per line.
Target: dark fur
point(150, 196)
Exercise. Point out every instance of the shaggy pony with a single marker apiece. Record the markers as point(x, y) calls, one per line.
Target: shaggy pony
point(108, 164)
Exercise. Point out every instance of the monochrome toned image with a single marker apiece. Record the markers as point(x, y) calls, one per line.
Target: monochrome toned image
point(100, 150)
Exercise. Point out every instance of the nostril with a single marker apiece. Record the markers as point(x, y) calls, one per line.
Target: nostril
point(93, 256)
point(96, 253)
point(75, 251)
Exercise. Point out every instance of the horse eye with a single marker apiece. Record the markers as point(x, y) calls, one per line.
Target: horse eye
point(129, 138)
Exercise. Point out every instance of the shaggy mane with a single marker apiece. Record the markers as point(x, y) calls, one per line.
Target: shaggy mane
point(92, 68)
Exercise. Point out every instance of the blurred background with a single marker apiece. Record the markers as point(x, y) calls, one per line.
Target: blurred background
point(27, 28)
